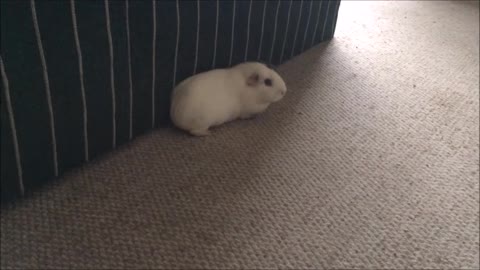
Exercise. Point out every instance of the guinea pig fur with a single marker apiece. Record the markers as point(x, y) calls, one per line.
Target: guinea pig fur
point(217, 96)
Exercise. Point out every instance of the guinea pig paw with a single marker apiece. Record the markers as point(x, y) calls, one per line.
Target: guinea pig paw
point(200, 132)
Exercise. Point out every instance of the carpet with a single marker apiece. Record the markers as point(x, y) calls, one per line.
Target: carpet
point(371, 161)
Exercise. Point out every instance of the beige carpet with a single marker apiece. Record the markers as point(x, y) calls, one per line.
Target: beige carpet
point(370, 161)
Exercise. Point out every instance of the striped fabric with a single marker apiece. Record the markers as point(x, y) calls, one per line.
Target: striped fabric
point(80, 78)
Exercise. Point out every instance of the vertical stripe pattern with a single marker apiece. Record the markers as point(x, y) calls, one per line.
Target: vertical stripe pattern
point(177, 43)
point(286, 30)
point(11, 118)
point(105, 55)
point(198, 38)
point(233, 34)
point(263, 28)
point(82, 83)
point(112, 78)
point(296, 31)
point(316, 24)
point(274, 32)
point(130, 83)
point(308, 24)
point(326, 19)
point(216, 35)
point(248, 30)
point(154, 47)
point(47, 87)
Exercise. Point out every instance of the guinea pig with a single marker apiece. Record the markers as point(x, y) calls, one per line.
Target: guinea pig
point(221, 95)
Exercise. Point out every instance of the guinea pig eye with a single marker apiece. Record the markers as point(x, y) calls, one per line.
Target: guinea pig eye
point(268, 82)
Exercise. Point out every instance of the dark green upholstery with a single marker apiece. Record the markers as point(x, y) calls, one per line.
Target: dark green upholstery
point(84, 99)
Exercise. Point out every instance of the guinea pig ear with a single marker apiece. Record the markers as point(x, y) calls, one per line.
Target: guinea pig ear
point(253, 79)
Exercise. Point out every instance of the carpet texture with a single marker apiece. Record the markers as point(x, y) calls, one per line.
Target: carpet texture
point(371, 161)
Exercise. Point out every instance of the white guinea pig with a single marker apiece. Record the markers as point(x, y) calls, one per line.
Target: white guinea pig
point(217, 96)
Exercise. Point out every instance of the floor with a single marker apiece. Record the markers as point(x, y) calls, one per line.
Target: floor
point(371, 161)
